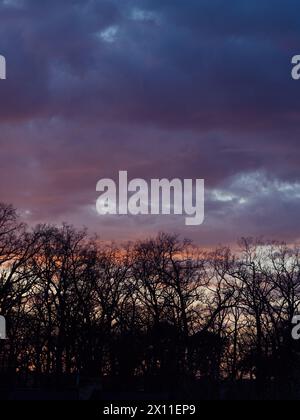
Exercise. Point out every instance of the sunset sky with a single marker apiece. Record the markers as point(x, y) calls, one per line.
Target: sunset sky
point(160, 88)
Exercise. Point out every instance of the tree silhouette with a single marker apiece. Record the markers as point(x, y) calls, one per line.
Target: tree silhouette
point(159, 315)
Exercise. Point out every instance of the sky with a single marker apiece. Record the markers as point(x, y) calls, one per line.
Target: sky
point(160, 88)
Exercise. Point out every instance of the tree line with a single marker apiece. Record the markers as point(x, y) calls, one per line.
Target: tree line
point(159, 314)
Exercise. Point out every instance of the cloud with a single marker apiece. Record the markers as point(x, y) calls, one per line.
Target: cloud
point(162, 89)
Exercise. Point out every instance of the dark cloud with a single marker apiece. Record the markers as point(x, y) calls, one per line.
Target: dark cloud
point(161, 88)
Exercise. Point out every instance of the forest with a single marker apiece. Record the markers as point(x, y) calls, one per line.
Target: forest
point(160, 316)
